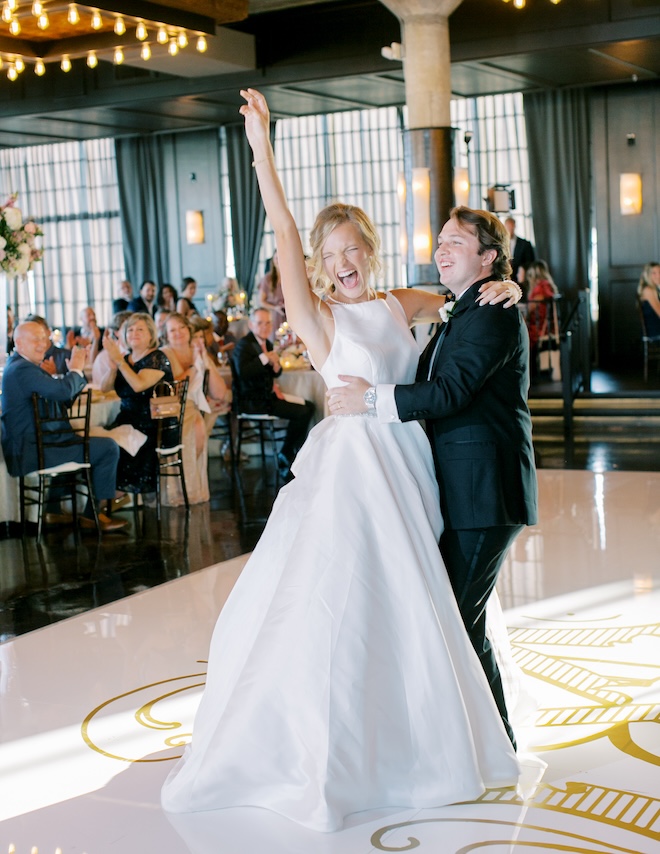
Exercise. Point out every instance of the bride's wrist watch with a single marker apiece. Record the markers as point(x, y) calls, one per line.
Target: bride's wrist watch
point(369, 398)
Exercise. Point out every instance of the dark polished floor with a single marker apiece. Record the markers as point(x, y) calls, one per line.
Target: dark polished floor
point(41, 584)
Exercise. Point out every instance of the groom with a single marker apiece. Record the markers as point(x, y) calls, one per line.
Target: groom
point(471, 391)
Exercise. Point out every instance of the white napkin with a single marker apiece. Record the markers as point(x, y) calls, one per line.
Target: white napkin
point(126, 436)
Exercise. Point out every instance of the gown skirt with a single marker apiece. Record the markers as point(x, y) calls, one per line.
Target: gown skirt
point(340, 676)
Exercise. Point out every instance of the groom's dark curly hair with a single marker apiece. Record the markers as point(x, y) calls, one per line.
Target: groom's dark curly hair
point(490, 233)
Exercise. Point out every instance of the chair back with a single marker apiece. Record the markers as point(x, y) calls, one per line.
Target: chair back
point(170, 430)
point(642, 320)
point(62, 424)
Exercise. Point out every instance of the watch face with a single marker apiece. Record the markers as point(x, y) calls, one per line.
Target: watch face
point(370, 397)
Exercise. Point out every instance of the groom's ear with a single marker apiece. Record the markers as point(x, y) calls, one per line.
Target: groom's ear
point(488, 257)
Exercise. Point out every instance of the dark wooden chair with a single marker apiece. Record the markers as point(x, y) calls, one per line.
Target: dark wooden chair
point(76, 477)
point(268, 430)
point(169, 446)
point(650, 343)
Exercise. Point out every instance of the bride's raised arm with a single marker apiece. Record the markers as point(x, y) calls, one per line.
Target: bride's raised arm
point(304, 314)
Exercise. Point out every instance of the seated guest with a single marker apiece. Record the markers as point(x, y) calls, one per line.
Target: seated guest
point(55, 361)
point(185, 304)
point(189, 358)
point(104, 369)
point(256, 365)
point(541, 288)
point(23, 376)
point(160, 319)
point(88, 334)
point(167, 297)
point(224, 340)
point(139, 368)
point(125, 291)
point(648, 294)
point(146, 302)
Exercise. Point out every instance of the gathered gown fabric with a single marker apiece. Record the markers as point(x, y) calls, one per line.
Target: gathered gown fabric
point(340, 675)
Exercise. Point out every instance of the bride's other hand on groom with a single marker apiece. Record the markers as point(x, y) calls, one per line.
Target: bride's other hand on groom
point(490, 293)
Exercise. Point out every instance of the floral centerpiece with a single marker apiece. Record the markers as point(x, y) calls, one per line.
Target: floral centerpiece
point(18, 248)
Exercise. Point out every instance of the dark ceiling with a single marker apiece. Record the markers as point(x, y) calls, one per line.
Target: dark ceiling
point(323, 57)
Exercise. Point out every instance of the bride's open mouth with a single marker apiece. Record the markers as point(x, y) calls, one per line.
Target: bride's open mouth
point(348, 279)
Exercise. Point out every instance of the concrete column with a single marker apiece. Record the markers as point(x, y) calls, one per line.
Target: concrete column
point(428, 141)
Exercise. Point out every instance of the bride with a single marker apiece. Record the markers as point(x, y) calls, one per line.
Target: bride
point(340, 675)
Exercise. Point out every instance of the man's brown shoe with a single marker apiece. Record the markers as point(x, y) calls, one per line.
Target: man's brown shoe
point(105, 523)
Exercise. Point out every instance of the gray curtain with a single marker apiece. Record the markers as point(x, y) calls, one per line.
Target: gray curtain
point(247, 210)
point(558, 140)
point(142, 175)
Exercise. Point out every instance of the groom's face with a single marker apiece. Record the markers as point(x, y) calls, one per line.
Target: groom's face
point(457, 257)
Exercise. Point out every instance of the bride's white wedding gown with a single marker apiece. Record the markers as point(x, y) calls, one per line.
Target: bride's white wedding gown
point(340, 676)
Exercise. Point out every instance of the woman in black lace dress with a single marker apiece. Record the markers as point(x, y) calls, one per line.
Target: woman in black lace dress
point(142, 368)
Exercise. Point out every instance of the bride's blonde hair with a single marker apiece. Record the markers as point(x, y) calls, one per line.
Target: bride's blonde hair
point(327, 220)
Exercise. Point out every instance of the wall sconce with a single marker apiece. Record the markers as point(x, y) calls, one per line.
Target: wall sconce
point(421, 192)
point(462, 186)
point(194, 227)
point(630, 193)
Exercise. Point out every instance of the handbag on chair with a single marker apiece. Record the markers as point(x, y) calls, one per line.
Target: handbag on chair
point(164, 405)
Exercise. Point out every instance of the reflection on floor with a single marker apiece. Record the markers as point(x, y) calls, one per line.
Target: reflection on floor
point(95, 708)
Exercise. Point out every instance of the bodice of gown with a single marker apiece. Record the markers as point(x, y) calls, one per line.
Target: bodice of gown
point(372, 340)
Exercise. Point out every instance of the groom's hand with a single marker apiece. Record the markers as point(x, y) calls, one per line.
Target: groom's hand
point(348, 399)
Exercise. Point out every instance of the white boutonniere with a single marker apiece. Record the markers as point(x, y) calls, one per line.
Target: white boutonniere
point(446, 311)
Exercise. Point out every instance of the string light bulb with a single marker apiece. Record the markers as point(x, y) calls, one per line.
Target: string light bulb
point(97, 20)
point(141, 31)
point(7, 13)
point(182, 39)
point(73, 15)
point(162, 36)
point(42, 21)
point(37, 8)
point(519, 4)
point(120, 26)
point(12, 74)
point(92, 59)
point(39, 68)
point(145, 51)
point(14, 26)
point(65, 65)
point(119, 56)
point(201, 44)
point(19, 65)
point(173, 47)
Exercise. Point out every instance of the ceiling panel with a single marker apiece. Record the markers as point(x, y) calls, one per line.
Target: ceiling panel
point(316, 57)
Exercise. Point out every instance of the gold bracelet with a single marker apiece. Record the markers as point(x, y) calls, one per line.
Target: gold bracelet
point(263, 160)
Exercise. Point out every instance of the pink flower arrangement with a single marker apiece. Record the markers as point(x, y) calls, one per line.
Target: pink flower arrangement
point(18, 246)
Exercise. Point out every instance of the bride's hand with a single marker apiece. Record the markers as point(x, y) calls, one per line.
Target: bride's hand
point(491, 293)
point(257, 122)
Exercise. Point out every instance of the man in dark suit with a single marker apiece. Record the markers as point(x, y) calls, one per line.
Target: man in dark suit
point(521, 253)
point(23, 376)
point(146, 302)
point(256, 366)
point(471, 391)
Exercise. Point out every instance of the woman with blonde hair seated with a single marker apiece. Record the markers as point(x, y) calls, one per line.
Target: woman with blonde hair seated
point(648, 294)
point(189, 358)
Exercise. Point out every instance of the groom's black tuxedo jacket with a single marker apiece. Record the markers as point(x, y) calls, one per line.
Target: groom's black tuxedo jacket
point(477, 418)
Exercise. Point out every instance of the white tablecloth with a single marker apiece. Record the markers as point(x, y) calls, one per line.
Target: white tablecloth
point(309, 385)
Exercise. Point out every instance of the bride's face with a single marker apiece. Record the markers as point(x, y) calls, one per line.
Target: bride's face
point(346, 262)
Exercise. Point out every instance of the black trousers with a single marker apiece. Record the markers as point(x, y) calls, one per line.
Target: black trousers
point(298, 415)
point(473, 558)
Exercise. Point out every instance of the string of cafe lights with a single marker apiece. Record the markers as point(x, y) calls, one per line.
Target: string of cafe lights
point(146, 33)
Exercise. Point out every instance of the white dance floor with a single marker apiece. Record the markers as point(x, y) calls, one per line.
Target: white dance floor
point(94, 709)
